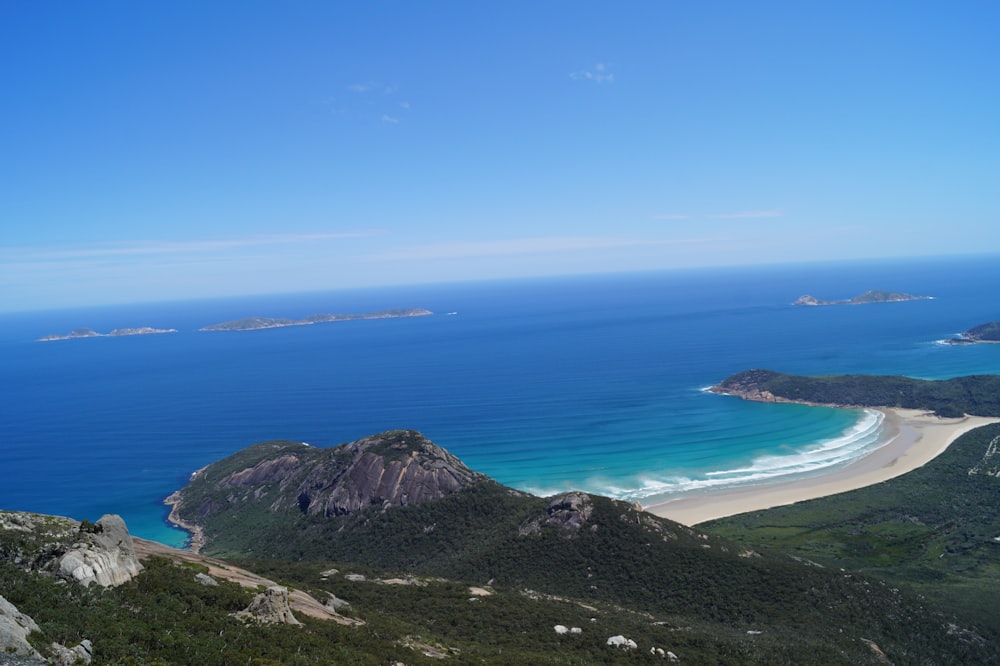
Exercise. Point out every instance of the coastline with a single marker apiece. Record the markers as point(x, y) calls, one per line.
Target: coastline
point(910, 439)
point(196, 541)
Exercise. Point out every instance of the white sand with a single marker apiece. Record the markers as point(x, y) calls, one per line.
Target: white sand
point(912, 438)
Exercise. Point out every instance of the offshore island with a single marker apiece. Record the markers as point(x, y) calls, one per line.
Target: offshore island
point(258, 323)
point(117, 333)
point(870, 296)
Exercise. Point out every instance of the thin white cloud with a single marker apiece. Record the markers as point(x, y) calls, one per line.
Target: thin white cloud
point(386, 118)
point(521, 246)
point(599, 74)
point(748, 214)
point(384, 88)
point(147, 248)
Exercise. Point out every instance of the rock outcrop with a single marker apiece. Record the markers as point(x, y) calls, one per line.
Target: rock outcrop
point(104, 556)
point(569, 511)
point(270, 607)
point(85, 553)
point(80, 654)
point(394, 468)
point(14, 629)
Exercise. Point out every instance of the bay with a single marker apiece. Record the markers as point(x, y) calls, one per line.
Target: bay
point(587, 382)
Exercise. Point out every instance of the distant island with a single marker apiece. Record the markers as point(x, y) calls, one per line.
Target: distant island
point(117, 333)
point(871, 296)
point(257, 323)
point(989, 332)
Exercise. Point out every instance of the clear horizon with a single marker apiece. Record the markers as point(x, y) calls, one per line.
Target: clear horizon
point(170, 152)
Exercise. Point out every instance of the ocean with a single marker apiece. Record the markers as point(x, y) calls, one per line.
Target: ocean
point(588, 382)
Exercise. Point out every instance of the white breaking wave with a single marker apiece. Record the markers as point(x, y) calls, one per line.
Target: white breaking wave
point(856, 442)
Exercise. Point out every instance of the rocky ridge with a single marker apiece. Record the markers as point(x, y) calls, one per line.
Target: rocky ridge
point(394, 468)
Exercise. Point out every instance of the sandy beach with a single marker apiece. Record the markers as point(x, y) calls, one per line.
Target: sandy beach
point(911, 439)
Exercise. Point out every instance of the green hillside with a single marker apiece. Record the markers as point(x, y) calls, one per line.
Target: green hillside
point(934, 531)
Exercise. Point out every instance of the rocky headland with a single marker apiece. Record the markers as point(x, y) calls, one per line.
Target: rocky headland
point(989, 332)
point(394, 468)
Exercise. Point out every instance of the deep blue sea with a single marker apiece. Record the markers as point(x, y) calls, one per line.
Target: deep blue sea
point(591, 383)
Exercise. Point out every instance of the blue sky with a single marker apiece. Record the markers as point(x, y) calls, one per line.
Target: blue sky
point(162, 150)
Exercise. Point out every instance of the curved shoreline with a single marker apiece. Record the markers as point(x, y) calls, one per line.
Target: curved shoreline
point(910, 439)
point(196, 538)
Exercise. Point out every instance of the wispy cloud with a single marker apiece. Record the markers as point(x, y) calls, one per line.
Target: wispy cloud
point(374, 86)
point(522, 246)
point(598, 74)
point(150, 248)
point(386, 118)
point(748, 214)
point(671, 216)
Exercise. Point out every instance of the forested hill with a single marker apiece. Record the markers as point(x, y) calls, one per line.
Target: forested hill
point(703, 598)
point(978, 395)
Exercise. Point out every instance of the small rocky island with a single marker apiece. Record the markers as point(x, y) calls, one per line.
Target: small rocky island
point(117, 333)
point(989, 332)
point(258, 323)
point(870, 296)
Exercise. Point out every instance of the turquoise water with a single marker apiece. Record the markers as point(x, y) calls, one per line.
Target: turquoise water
point(589, 382)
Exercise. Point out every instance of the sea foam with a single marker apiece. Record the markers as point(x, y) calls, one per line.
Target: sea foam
point(856, 442)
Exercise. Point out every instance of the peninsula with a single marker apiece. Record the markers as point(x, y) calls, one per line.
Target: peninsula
point(258, 323)
point(871, 296)
point(989, 332)
point(117, 333)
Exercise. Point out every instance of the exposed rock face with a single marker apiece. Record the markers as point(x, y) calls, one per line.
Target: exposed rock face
point(388, 469)
point(105, 556)
point(270, 607)
point(81, 654)
point(569, 512)
point(14, 629)
point(394, 468)
point(100, 553)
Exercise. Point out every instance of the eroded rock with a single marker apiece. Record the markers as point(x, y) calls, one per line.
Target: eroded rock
point(14, 629)
point(104, 556)
point(270, 607)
